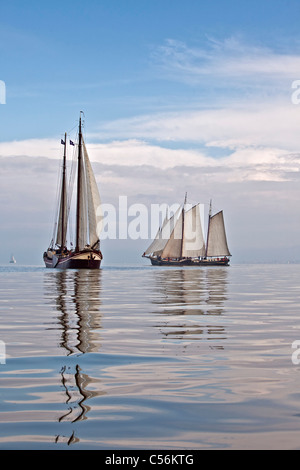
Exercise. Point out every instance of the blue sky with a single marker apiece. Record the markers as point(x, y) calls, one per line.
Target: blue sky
point(168, 88)
point(102, 56)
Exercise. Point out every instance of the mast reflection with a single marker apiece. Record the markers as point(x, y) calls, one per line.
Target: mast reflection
point(78, 302)
point(189, 300)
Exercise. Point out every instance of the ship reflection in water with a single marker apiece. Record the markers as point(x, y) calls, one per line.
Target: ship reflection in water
point(149, 358)
point(78, 303)
point(189, 299)
point(188, 306)
point(188, 303)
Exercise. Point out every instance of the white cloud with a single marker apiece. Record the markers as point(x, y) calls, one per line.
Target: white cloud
point(231, 58)
point(270, 123)
point(131, 152)
point(245, 162)
point(31, 147)
point(259, 134)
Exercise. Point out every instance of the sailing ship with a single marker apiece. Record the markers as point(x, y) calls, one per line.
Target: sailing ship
point(12, 259)
point(86, 253)
point(180, 241)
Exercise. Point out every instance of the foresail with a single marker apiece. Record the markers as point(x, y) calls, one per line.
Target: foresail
point(193, 240)
point(173, 247)
point(156, 244)
point(94, 208)
point(217, 241)
point(163, 235)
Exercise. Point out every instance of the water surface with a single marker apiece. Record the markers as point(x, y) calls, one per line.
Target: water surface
point(150, 358)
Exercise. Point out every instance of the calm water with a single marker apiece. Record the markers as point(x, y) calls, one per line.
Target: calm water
point(150, 358)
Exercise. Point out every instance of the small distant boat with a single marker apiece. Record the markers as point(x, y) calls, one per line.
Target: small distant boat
point(86, 253)
point(180, 241)
point(12, 259)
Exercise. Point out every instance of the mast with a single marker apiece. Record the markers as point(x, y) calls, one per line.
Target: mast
point(182, 234)
point(209, 217)
point(63, 202)
point(79, 189)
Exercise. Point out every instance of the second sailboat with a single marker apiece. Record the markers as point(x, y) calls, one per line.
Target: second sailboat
point(180, 241)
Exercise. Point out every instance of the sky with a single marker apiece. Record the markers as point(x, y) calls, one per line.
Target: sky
point(178, 96)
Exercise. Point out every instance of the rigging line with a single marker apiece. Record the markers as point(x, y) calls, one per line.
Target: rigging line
point(75, 126)
point(72, 177)
point(192, 201)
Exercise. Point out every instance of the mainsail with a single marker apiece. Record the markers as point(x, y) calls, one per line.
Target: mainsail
point(95, 215)
point(81, 217)
point(193, 240)
point(172, 248)
point(89, 212)
point(216, 239)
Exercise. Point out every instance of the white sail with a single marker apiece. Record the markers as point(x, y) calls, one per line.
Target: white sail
point(163, 235)
point(217, 241)
point(82, 207)
point(90, 209)
point(95, 215)
point(193, 240)
point(157, 244)
point(62, 217)
point(173, 246)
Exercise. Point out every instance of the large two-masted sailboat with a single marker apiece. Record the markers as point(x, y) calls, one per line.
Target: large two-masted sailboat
point(86, 253)
point(180, 241)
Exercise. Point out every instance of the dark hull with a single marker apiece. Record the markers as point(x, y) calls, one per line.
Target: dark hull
point(80, 260)
point(189, 262)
